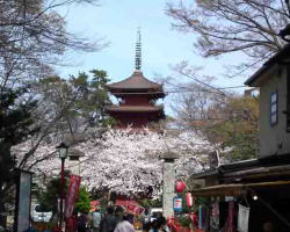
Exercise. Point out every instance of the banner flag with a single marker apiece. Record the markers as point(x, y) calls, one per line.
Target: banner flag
point(72, 195)
point(243, 218)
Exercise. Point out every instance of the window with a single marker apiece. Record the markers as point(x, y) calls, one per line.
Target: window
point(274, 108)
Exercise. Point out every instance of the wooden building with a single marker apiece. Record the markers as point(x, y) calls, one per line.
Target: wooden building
point(260, 186)
point(273, 79)
point(137, 98)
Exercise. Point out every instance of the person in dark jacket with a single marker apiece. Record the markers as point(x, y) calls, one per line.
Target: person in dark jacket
point(109, 221)
point(119, 213)
point(83, 223)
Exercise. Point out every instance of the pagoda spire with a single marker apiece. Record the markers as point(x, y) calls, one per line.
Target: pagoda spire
point(138, 51)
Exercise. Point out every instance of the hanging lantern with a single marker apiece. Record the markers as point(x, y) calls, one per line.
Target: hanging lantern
point(188, 199)
point(180, 186)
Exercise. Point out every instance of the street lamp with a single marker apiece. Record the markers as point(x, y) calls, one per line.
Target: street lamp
point(75, 155)
point(63, 152)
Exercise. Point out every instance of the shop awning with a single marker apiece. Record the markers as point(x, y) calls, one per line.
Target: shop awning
point(235, 189)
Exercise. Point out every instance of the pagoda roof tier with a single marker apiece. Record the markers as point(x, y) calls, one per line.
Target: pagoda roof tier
point(134, 108)
point(135, 82)
point(153, 94)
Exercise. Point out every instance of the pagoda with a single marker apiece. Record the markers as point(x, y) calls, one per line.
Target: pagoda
point(137, 97)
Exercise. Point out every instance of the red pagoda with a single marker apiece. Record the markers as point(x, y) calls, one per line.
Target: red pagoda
point(137, 97)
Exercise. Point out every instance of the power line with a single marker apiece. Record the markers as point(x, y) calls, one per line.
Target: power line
point(234, 87)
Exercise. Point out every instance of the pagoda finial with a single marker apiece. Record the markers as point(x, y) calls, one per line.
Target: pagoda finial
point(138, 55)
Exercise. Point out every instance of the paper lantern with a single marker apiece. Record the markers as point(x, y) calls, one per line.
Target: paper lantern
point(188, 199)
point(180, 186)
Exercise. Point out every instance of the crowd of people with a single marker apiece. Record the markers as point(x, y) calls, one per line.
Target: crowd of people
point(117, 220)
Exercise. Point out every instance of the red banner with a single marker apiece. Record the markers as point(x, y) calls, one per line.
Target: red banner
point(72, 195)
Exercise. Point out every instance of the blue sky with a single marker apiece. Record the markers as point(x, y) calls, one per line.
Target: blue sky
point(116, 21)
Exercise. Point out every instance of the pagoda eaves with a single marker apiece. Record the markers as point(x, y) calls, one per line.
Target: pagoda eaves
point(137, 96)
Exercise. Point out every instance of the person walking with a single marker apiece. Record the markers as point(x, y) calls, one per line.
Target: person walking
point(159, 225)
point(146, 227)
point(109, 221)
point(83, 223)
point(125, 225)
point(119, 213)
point(96, 220)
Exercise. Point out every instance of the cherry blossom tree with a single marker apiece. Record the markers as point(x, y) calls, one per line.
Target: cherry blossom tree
point(124, 161)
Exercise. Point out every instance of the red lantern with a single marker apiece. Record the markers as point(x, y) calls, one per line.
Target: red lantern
point(180, 186)
point(188, 199)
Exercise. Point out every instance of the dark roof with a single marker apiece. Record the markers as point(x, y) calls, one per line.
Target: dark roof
point(205, 173)
point(244, 164)
point(284, 53)
point(268, 161)
point(135, 82)
point(238, 189)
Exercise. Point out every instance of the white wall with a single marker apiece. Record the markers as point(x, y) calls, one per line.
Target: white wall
point(273, 139)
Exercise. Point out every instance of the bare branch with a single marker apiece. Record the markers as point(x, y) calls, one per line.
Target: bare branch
point(249, 26)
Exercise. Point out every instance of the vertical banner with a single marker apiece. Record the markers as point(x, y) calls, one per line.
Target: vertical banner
point(23, 201)
point(230, 223)
point(72, 194)
point(214, 217)
point(243, 218)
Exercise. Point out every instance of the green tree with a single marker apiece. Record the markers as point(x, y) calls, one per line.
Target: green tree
point(238, 127)
point(48, 198)
point(95, 96)
point(83, 203)
point(225, 120)
point(73, 108)
point(76, 103)
point(151, 203)
point(16, 124)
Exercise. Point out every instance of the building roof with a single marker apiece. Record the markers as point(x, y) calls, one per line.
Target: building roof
point(278, 57)
point(248, 168)
point(136, 81)
point(134, 108)
point(238, 189)
point(225, 168)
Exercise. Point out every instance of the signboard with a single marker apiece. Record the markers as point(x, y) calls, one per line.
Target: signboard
point(243, 218)
point(72, 194)
point(23, 201)
point(177, 204)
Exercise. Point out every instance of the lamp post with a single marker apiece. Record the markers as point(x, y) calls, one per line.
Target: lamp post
point(75, 155)
point(62, 151)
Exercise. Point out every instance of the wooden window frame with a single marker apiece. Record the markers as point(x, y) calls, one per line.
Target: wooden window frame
point(274, 103)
